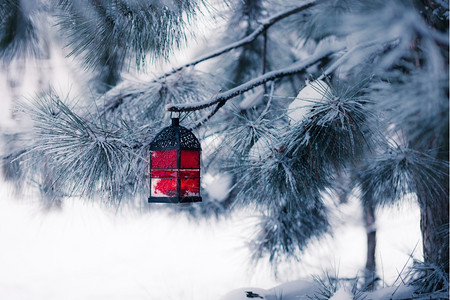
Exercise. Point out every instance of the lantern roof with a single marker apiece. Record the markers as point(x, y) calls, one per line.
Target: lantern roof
point(175, 137)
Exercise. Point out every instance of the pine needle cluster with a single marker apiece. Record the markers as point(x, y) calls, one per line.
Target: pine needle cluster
point(83, 156)
point(117, 31)
point(19, 30)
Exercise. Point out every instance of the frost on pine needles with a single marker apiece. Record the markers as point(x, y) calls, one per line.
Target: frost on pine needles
point(116, 31)
point(85, 156)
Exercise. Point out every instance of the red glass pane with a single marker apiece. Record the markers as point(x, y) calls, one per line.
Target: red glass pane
point(189, 174)
point(190, 159)
point(189, 187)
point(164, 159)
point(164, 187)
point(159, 173)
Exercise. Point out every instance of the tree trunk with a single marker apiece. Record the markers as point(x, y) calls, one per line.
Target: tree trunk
point(343, 186)
point(14, 77)
point(434, 221)
point(370, 270)
point(434, 209)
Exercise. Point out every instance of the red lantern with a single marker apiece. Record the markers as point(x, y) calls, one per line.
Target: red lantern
point(175, 166)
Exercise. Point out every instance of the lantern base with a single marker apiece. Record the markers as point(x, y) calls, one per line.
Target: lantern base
point(174, 199)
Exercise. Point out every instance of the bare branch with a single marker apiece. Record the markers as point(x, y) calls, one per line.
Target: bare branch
point(225, 96)
point(209, 116)
point(220, 104)
point(248, 39)
point(13, 155)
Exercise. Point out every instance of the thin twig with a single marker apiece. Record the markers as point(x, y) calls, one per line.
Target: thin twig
point(247, 39)
point(264, 59)
point(404, 266)
point(272, 88)
point(343, 59)
point(216, 109)
point(13, 155)
point(209, 116)
point(225, 96)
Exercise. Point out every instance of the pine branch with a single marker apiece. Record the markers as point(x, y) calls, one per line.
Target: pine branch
point(225, 96)
point(210, 115)
point(221, 98)
point(246, 40)
point(112, 33)
point(219, 105)
point(114, 103)
point(425, 31)
point(344, 58)
point(19, 30)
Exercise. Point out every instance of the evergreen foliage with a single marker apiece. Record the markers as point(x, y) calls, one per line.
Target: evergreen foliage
point(431, 281)
point(108, 34)
point(19, 29)
point(383, 117)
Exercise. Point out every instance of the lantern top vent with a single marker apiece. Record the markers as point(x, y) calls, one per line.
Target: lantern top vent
point(175, 137)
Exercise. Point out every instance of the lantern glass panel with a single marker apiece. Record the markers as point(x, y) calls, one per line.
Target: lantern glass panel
point(189, 187)
point(164, 187)
point(189, 174)
point(190, 159)
point(163, 173)
point(164, 159)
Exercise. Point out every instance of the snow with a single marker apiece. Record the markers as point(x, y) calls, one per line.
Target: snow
point(241, 294)
point(252, 99)
point(342, 294)
point(89, 252)
point(398, 235)
point(238, 90)
point(303, 289)
point(391, 293)
point(217, 186)
point(312, 93)
point(293, 290)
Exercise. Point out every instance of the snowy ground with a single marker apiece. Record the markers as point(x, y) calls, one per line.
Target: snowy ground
point(306, 289)
point(86, 252)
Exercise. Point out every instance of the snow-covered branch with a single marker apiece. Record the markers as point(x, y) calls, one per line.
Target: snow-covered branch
point(248, 39)
point(225, 96)
point(209, 116)
point(343, 59)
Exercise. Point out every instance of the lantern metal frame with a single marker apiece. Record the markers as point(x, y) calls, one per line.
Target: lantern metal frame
point(175, 137)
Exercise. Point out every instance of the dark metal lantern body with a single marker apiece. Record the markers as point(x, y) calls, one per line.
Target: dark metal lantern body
point(175, 166)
